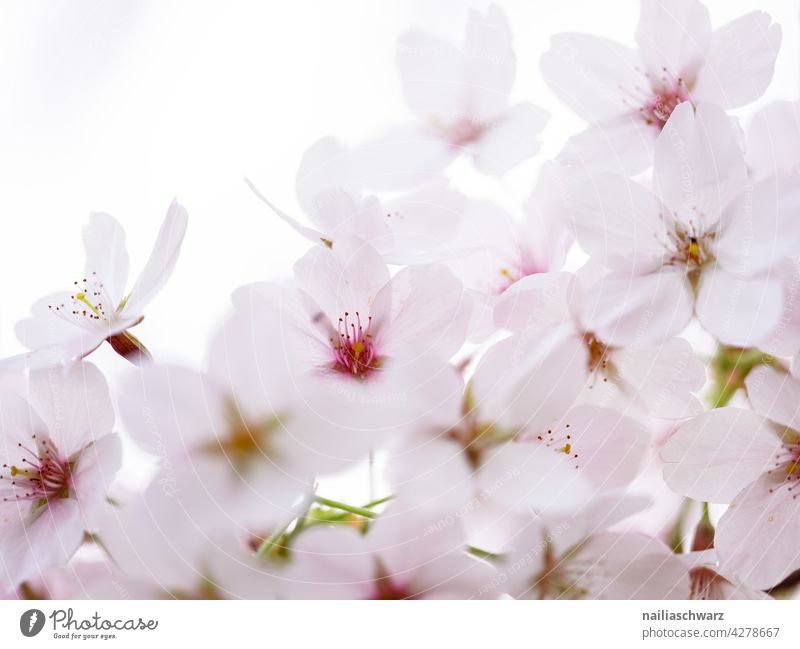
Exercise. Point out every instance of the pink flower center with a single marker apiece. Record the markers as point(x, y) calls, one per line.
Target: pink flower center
point(662, 95)
point(705, 584)
point(786, 465)
point(40, 475)
point(689, 246)
point(354, 348)
point(465, 131)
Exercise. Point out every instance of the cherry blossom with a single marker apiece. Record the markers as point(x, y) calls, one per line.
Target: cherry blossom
point(656, 379)
point(694, 244)
point(460, 96)
point(59, 458)
point(748, 459)
point(627, 96)
point(71, 324)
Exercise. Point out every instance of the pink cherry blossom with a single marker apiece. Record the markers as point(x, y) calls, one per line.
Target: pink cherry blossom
point(408, 553)
point(59, 458)
point(627, 96)
point(71, 324)
point(412, 228)
point(748, 459)
point(658, 379)
point(460, 96)
point(705, 241)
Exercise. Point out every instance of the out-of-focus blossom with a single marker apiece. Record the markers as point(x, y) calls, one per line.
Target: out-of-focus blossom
point(460, 96)
point(405, 554)
point(627, 96)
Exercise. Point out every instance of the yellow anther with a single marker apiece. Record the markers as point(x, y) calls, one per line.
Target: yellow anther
point(81, 297)
point(565, 449)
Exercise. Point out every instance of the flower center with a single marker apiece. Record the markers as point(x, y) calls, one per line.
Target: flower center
point(786, 464)
point(90, 302)
point(353, 347)
point(40, 474)
point(690, 247)
point(465, 131)
point(668, 91)
point(559, 440)
point(705, 584)
point(244, 441)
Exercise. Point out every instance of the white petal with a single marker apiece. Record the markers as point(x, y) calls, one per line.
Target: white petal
point(74, 402)
point(757, 536)
point(162, 260)
point(344, 279)
point(675, 35)
point(699, 166)
point(619, 222)
point(741, 61)
point(775, 395)
point(490, 63)
point(621, 144)
point(429, 313)
point(643, 310)
point(93, 475)
point(739, 311)
point(660, 378)
point(716, 454)
point(106, 255)
point(587, 73)
point(510, 138)
point(760, 227)
point(773, 140)
point(534, 302)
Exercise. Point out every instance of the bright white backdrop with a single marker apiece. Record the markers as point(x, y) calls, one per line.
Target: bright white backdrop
point(119, 106)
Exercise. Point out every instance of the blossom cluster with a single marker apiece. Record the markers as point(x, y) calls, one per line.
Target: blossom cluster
point(589, 395)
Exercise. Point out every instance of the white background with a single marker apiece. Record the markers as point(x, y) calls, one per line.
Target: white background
point(120, 106)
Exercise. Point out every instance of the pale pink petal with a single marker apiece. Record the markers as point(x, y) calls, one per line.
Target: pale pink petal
point(94, 471)
point(773, 140)
point(716, 454)
point(675, 35)
point(311, 234)
point(534, 302)
point(643, 310)
point(659, 379)
point(330, 563)
point(757, 536)
point(587, 73)
point(740, 62)
point(429, 313)
point(619, 222)
point(490, 63)
point(106, 255)
point(699, 165)
point(739, 311)
point(162, 260)
point(760, 227)
point(74, 402)
point(510, 138)
point(431, 71)
point(43, 542)
point(775, 395)
point(344, 279)
point(622, 144)
point(45, 327)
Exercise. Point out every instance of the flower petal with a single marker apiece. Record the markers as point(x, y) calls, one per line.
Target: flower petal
point(510, 138)
point(715, 455)
point(775, 395)
point(740, 62)
point(699, 166)
point(739, 311)
point(106, 255)
point(162, 260)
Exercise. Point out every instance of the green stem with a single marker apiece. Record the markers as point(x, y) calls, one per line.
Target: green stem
point(360, 511)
